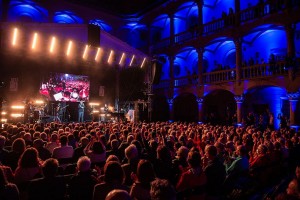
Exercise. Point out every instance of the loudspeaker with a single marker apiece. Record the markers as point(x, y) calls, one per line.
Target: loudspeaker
point(156, 71)
point(94, 35)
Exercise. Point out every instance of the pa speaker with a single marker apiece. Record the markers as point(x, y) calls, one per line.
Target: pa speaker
point(156, 71)
point(94, 35)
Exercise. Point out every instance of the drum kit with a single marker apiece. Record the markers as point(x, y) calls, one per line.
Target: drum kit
point(36, 111)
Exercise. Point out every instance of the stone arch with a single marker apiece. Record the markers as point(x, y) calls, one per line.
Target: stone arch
point(219, 107)
point(185, 108)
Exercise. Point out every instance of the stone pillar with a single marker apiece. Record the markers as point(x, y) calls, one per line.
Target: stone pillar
point(293, 99)
point(171, 109)
point(290, 62)
point(200, 66)
point(238, 59)
point(171, 63)
point(200, 17)
point(239, 102)
point(200, 109)
point(237, 7)
point(172, 29)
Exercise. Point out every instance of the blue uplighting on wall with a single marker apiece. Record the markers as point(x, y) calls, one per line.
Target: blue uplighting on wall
point(213, 9)
point(186, 62)
point(219, 54)
point(103, 26)
point(26, 11)
point(270, 96)
point(160, 28)
point(66, 17)
point(271, 37)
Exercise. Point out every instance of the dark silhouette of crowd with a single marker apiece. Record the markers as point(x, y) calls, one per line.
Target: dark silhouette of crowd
point(148, 161)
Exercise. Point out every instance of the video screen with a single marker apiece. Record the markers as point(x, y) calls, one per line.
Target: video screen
point(65, 87)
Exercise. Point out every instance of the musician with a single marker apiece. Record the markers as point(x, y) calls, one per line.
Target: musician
point(61, 110)
point(81, 107)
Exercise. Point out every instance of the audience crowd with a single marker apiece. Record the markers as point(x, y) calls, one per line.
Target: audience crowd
point(148, 161)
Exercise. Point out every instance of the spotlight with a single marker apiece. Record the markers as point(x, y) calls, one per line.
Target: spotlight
point(131, 60)
point(94, 104)
point(15, 36)
point(16, 115)
point(143, 63)
point(17, 107)
point(39, 101)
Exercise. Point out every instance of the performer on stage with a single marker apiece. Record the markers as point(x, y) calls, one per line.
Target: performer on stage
point(81, 111)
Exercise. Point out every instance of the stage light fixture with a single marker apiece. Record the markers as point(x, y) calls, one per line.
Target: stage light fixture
point(84, 56)
point(3, 113)
point(34, 41)
point(16, 115)
point(69, 48)
point(110, 56)
point(131, 60)
point(98, 54)
point(53, 40)
point(122, 58)
point(17, 107)
point(39, 101)
point(94, 104)
point(3, 120)
point(143, 62)
point(15, 36)
point(95, 111)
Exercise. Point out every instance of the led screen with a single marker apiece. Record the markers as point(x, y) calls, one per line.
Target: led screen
point(65, 87)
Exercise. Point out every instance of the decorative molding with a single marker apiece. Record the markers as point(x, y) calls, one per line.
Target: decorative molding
point(199, 100)
point(239, 98)
point(293, 96)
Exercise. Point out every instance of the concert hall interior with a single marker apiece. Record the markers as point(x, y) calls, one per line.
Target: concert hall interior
point(202, 61)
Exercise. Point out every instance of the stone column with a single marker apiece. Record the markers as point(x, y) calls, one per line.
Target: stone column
point(172, 28)
point(171, 64)
point(238, 59)
point(239, 102)
point(293, 99)
point(200, 110)
point(171, 109)
point(200, 66)
point(237, 12)
point(290, 62)
point(200, 17)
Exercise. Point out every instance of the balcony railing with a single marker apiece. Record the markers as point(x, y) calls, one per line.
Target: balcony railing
point(264, 70)
point(280, 68)
point(219, 76)
point(214, 26)
point(249, 14)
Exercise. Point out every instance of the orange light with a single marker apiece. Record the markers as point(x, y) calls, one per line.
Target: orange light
point(52, 45)
point(143, 62)
point(85, 52)
point(15, 36)
point(131, 60)
point(69, 48)
point(98, 54)
point(34, 41)
point(110, 56)
point(122, 58)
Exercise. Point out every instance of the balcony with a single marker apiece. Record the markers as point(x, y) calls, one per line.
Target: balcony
point(258, 71)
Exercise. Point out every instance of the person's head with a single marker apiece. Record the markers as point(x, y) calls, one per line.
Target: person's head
point(50, 167)
point(113, 172)
point(194, 159)
point(19, 145)
point(117, 194)
point(112, 158)
point(163, 153)
point(131, 152)
point(84, 164)
point(211, 152)
point(63, 140)
point(2, 141)
point(98, 148)
point(114, 144)
point(84, 141)
point(54, 137)
point(29, 158)
point(38, 143)
point(145, 172)
point(293, 188)
point(241, 150)
point(182, 152)
point(262, 149)
point(162, 189)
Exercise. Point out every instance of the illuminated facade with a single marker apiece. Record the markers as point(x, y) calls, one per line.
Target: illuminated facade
point(217, 58)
